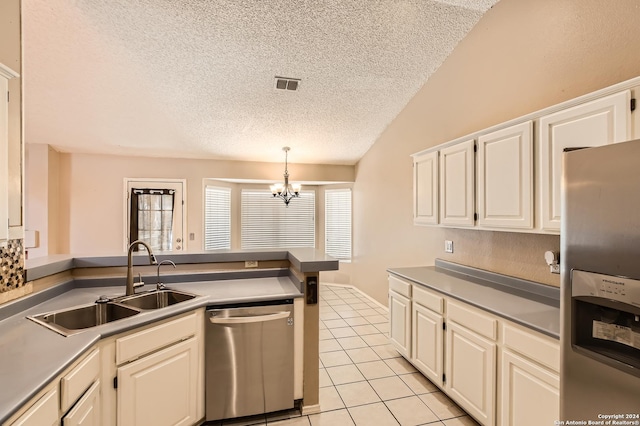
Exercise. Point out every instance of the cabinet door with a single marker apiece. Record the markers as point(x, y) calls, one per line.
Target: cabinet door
point(471, 372)
point(594, 123)
point(505, 178)
point(425, 188)
point(457, 184)
point(160, 389)
point(43, 412)
point(426, 342)
point(4, 145)
point(86, 412)
point(530, 395)
point(400, 323)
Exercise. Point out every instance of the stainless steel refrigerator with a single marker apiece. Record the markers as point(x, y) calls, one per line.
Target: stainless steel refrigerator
point(600, 289)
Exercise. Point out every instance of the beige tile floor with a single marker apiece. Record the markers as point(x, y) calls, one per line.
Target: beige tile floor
point(363, 380)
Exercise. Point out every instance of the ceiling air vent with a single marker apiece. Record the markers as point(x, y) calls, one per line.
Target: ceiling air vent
point(286, 83)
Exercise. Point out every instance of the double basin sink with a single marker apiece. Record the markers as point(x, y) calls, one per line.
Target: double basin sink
point(74, 320)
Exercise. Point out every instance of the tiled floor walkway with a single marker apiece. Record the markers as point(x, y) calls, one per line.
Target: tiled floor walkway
point(363, 380)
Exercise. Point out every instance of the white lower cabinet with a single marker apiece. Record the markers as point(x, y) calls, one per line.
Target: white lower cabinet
point(75, 392)
point(159, 372)
point(427, 334)
point(400, 322)
point(470, 372)
point(160, 389)
point(87, 412)
point(400, 315)
point(530, 393)
point(499, 372)
point(427, 340)
point(43, 412)
point(529, 380)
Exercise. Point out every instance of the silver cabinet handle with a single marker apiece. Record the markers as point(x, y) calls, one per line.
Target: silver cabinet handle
point(247, 320)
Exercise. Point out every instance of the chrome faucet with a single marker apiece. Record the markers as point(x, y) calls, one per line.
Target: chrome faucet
point(152, 261)
point(159, 285)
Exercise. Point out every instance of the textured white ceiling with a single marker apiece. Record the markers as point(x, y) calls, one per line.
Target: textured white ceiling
point(195, 78)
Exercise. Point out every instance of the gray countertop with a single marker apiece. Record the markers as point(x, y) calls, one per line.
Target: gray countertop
point(32, 355)
point(530, 304)
point(303, 259)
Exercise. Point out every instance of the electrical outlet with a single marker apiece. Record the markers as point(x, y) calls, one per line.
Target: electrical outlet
point(448, 246)
point(251, 264)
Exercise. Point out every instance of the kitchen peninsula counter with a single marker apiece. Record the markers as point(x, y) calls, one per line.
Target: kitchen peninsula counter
point(31, 356)
point(303, 259)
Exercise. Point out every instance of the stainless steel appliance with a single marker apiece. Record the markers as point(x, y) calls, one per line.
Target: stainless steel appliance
point(248, 359)
point(600, 293)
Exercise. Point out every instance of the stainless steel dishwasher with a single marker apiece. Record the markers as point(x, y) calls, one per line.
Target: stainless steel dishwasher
point(248, 359)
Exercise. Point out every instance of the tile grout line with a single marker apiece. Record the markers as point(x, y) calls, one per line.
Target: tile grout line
point(359, 300)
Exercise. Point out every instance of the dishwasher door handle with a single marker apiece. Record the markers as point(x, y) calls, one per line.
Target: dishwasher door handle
point(249, 319)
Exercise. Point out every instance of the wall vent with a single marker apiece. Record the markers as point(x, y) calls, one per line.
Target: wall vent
point(286, 83)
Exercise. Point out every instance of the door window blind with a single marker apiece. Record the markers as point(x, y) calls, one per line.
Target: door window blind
point(337, 225)
point(217, 218)
point(269, 223)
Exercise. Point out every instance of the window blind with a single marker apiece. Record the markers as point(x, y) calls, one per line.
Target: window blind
point(217, 218)
point(269, 223)
point(337, 225)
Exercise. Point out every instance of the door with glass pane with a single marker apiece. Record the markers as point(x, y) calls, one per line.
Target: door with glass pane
point(155, 214)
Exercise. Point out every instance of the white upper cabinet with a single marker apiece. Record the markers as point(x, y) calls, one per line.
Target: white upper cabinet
point(425, 188)
point(457, 184)
point(599, 122)
point(505, 177)
point(5, 75)
point(511, 180)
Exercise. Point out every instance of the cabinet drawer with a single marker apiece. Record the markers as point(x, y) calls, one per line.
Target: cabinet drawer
point(428, 299)
point(79, 379)
point(473, 319)
point(87, 410)
point(535, 346)
point(399, 286)
point(143, 342)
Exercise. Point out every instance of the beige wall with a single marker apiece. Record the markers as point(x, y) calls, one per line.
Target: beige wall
point(88, 190)
point(522, 56)
point(41, 203)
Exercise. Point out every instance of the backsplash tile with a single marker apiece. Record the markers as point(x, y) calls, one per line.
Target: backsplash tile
point(12, 266)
